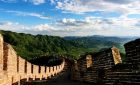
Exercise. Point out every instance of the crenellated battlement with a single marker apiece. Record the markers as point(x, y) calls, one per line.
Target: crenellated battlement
point(106, 66)
point(14, 69)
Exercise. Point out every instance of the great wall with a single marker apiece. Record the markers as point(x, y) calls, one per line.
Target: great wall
point(103, 68)
point(14, 69)
point(107, 68)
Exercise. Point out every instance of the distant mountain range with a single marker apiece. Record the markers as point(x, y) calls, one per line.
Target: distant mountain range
point(33, 46)
point(103, 38)
point(98, 42)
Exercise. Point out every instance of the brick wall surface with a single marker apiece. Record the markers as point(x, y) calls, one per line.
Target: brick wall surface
point(1, 54)
point(16, 70)
point(29, 68)
point(21, 66)
point(11, 60)
point(108, 68)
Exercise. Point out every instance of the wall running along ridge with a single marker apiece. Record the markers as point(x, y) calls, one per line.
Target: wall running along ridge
point(14, 69)
point(107, 67)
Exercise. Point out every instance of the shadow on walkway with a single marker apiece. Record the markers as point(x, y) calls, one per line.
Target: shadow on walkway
point(62, 79)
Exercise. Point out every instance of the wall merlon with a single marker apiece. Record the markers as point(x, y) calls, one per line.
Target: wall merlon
point(21, 66)
point(29, 68)
point(35, 69)
point(42, 70)
point(11, 57)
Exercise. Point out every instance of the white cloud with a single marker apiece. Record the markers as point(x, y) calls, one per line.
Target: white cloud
point(98, 26)
point(43, 27)
point(37, 2)
point(37, 29)
point(52, 1)
point(88, 26)
point(6, 23)
point(9, 1)
point(64, 20)
point(12, 26)
point(120, 1)
point(20, 13)
point(82, 6)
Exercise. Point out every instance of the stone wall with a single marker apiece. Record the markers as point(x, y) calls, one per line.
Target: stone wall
point(1, 59)
point(123, 76)
point(16, 70)
point(82, 71)
point(108, 68)
point(1, 54)
point(133, 53)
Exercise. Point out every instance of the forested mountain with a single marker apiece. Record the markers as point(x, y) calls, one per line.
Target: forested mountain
point(103, 38)
point(97, 42)
point(34, 46)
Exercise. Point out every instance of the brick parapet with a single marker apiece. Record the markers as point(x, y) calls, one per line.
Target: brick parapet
point(14, 69)
point(108, 68)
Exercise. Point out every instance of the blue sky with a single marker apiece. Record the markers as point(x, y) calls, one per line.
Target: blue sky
point(71, 17)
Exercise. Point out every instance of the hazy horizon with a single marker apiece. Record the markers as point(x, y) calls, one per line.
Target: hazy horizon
point(80, 36)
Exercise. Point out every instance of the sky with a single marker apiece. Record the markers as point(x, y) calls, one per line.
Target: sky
point(71, 17)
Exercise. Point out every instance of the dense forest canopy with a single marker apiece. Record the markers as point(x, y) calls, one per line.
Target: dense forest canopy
point(34, 46)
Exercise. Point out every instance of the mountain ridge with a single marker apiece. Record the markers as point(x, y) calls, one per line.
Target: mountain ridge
point(33, 46)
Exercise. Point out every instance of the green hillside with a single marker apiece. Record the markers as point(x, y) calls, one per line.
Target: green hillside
point(34, 46)
point(96, 43)
point(99, 42)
